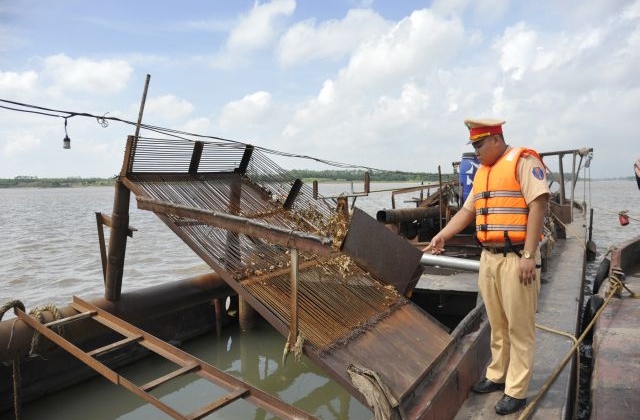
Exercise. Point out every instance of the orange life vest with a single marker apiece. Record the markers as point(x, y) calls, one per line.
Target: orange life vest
point(500, 207)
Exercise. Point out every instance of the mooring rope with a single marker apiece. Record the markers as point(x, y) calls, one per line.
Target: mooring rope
point(615, 287)
point(571, 231)
point(17, 378)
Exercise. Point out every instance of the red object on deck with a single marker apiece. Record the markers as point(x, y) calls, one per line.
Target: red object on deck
point(624, 219)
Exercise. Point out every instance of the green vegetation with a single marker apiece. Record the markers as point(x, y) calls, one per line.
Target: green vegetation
point(358, 175)
point(35, 182)
point(303, 174)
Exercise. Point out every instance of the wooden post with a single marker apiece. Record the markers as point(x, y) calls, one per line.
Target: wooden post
point(117, 242)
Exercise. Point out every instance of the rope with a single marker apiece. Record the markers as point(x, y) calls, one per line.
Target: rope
point(618, 212)
point(573, 234)
point(17, 377)
point(572, 338)
point(296, 348)
point(615, 286)
point(38, 313)
point(379, 397)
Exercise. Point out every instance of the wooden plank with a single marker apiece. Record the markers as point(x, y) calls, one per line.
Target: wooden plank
point(207, 371)
point(69, 347)
point(115, 345)
point(69, 319)
point(171, 375)
point(219, 403)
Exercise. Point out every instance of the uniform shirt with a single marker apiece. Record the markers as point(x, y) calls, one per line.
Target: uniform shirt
point(532, 178)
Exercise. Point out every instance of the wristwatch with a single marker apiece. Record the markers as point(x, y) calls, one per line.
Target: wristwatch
point(527, 254)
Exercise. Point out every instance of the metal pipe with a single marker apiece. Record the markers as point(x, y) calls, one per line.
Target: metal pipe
point(135, 306)
point(450, 262)
point(407, 214)
point(290, 238)
point(459, 263)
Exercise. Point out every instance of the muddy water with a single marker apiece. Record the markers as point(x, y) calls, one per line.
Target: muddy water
point(49, 252)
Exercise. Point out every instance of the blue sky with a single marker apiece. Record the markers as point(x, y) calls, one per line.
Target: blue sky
point(383, 84)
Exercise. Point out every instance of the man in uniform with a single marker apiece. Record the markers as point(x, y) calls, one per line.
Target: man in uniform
point(508, 203)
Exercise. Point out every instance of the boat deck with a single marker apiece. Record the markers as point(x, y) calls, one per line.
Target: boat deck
point(616, 370)
point(558, 309)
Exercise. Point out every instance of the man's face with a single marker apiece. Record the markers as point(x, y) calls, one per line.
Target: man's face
point(487, 150)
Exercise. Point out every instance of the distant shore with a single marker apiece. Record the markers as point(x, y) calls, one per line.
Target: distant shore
point(35, 182)
point(306, 176)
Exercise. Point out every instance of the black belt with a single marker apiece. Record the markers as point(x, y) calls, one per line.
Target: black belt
point(504, 249)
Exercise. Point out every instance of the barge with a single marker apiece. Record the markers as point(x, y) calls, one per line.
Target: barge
point(349, 292)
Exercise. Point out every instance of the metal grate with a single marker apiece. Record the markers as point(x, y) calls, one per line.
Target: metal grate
point(337, 298)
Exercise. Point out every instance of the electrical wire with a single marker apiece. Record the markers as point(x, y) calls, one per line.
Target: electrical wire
point(103, 120)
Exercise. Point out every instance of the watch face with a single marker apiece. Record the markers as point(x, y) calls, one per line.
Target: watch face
point(527, 254)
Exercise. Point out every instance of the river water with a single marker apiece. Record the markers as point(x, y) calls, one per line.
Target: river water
point(49, 252)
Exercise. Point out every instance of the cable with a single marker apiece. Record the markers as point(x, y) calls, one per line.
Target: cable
point(103, 120)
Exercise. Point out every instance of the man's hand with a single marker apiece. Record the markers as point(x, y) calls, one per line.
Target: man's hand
point(527, 270)
point(436, 246)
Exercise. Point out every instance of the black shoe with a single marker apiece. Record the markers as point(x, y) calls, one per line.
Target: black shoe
point(485, 386)
point(508, 405)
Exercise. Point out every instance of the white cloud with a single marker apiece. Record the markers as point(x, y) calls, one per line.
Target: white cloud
point(258, 27)
point(86, 75)
point(167, 107)
point(415, 45)
point(385, 91)
point(17, 83)
point(250, 110)
point(517, 48)
point(20, 143)
point(330, 39)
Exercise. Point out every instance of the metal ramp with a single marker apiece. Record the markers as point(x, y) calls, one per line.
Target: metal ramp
point(337, 286)
point(187, 364)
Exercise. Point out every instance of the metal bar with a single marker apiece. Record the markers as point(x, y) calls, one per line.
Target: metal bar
point(115, 345)
point(195, 157)
point(290, 238)
point(246, 158)
point(219, 403)
point(563, 197)
point(293, 334)
point(169, 376)
point(293, 194)
point(450, 262)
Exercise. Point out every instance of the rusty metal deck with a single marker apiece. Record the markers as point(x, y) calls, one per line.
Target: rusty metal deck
point(616, 359)
point(245, 217)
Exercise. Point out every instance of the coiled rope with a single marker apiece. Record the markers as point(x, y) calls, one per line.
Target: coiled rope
point(615, 288)
point(37, 313)
point(15, 362)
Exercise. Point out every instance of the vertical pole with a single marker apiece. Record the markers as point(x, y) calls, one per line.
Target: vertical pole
point(117, 242)
point(103, 248)
point(293, 332)
point(441, 195)
point(217, 307)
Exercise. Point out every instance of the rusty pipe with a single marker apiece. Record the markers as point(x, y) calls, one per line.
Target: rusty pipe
point(135, 307)
point(290, 238)
point(406, 215)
